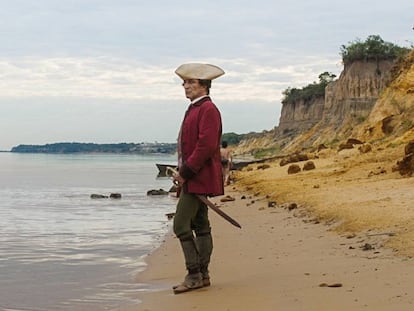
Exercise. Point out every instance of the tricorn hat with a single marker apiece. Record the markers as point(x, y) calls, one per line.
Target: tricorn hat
point(199, 71)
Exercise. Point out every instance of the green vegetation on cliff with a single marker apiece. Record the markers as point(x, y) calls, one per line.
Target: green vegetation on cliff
point(314, 90)
point(374, 48)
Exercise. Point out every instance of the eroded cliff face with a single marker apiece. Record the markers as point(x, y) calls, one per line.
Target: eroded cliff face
point(393, 114)
point(355, 92)
point(352, 95)
point(301, 115)
point(366, 96)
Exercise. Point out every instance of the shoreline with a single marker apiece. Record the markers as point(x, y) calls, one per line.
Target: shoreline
point(280, 260)
point(335, 238)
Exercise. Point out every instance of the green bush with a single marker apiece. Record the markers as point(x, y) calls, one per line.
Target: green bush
point(373, 48)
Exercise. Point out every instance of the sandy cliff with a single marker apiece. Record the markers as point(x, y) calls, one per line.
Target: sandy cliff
point(367, 101)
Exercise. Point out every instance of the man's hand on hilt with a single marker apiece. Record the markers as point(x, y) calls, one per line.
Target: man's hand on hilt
point(177, 178)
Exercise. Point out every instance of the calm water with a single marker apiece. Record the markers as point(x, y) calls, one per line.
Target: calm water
point(62, 250)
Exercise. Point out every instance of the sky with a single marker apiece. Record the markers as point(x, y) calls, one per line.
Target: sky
point(102, 71)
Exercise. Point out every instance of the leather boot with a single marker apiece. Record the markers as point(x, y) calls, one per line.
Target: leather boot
point(194, 278)
point(191, 255)
point(205, 248)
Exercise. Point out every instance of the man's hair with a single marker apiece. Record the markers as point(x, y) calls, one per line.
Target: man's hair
point(206, 83)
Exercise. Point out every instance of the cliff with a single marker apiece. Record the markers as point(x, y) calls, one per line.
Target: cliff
point(353, 94)
point(348, 102)
point(368, 101)
point(301, 115)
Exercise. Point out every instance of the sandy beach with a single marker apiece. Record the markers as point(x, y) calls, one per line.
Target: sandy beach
point(338, 237)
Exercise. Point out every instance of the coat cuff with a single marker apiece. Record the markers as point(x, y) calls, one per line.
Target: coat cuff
point(186, 172)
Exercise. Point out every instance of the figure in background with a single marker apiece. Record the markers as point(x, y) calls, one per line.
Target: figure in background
point(226, 162)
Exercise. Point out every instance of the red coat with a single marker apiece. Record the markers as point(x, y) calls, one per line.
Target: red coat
point(199, 149)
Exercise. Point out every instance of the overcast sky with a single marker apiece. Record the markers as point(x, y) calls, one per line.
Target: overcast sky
point(103, 71)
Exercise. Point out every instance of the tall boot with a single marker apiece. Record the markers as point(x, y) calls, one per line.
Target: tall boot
point(205, 248)
point(194, 278)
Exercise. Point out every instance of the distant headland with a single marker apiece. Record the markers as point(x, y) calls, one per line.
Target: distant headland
point(74, 147)
point(124, 148)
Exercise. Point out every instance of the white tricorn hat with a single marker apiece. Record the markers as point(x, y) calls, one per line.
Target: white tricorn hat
point(199, 71)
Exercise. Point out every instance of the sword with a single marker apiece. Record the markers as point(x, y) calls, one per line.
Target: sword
point(210, 204)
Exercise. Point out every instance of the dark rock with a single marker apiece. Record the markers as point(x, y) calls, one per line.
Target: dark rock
point(227, 198)
point(263, 166)
point(293, 169)
point(309, 166)
point(292, 206)
point(283, 162)
point(157, 192)
point(115, 196)
point(271, 204)
point(98, 196)
point(367, 247)
point(330, 285)
point(354, 141)
point(388, 125)
point(345, 146)
point(406, 165)
point(409, 148)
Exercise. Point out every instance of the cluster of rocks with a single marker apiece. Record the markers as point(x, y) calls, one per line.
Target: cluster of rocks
point(103, 196)
point(294, 158)
point(295, 168)
point(271, 204)
point(352, 142)
point(119, 196)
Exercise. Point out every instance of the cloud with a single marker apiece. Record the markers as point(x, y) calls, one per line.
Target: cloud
point(106, 77)
point(83, 77)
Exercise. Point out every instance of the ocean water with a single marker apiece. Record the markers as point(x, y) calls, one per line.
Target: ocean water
point(62, 250)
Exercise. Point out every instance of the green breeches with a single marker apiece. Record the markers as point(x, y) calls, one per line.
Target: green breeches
point(191, 215)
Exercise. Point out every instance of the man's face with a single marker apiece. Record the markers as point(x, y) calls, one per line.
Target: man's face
point(193, 89)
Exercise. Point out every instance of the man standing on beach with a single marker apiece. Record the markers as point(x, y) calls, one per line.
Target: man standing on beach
point(200, 172)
